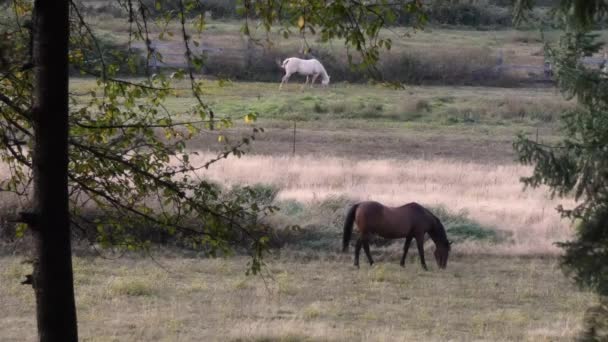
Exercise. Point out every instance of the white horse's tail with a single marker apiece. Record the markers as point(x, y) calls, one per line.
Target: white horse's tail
point(285, 62)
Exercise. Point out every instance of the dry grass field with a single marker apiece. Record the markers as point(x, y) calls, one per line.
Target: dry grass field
point(490, 195)
point(307, 297)
point(506, 288)
point(366, 121)
point(448, 148)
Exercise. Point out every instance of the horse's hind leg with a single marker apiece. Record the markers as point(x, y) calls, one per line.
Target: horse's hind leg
point(285, 79)
point(367, 252)
point(357, 251)
point(420, 244)
point(406, 247)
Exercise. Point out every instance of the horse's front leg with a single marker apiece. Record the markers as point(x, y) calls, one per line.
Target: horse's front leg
point(406, 247)
point(420, 244)
point(305, 83)
point(314, 78)
point(357, 251)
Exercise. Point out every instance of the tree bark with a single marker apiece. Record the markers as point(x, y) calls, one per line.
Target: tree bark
point(52, 277)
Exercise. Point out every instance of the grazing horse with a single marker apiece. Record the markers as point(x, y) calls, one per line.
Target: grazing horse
point(409, 221)
point(305, 67)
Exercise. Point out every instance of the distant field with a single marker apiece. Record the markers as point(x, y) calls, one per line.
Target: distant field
point(346, 103)
point(308, 297)
point(506, 57)
point(447, 147)
point(363, 121)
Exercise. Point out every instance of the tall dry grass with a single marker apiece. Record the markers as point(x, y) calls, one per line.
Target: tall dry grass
point(475, 299)
point(491, 195)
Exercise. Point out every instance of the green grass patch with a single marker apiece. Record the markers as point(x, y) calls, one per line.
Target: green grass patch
point(460, 227)
point(343, 106)
point(130, 286)
point(318, 225)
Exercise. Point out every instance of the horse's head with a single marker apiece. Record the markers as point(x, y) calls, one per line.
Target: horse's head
point(325, 81)
point(441, 254)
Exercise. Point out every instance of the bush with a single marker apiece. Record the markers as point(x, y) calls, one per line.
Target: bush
point(261, 194)
point(464, 66)
point(130, 287)
point(475, 15)
point(423, 106)
point(470, 15)
point(130, 61)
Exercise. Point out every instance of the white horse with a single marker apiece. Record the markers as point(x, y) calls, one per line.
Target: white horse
point(305, 67)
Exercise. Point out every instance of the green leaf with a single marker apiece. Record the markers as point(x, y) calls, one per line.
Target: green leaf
point(250, 118)
point(301, 22)
point(20, 229)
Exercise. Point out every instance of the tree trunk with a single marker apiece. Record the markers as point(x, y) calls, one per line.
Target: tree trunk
point(52, 278)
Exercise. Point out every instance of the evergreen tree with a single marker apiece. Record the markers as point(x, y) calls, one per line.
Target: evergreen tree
point(578, 164)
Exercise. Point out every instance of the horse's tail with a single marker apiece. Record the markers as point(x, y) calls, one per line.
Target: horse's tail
point(282, 65)
point(348, 226)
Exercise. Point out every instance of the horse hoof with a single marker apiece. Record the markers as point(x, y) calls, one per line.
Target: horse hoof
point(402, 264)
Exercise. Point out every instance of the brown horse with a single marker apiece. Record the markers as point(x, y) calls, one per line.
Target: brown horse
point(409, 221)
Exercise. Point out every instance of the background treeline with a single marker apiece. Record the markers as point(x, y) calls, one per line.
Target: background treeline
point(240, 60)
point(469, 65)
point(468, 13)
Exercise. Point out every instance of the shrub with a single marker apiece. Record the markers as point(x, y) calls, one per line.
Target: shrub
point(473, 14)
point(130, 287)
point(319, 108)
point(130, 60)
point(262, 194)
point(423, 106)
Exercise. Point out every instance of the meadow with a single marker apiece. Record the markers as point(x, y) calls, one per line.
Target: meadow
point(503, 281)
point(446, 147)
point(307, 297)
point(364, 121)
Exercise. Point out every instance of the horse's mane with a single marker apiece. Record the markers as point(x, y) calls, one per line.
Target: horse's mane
point(438, 233)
